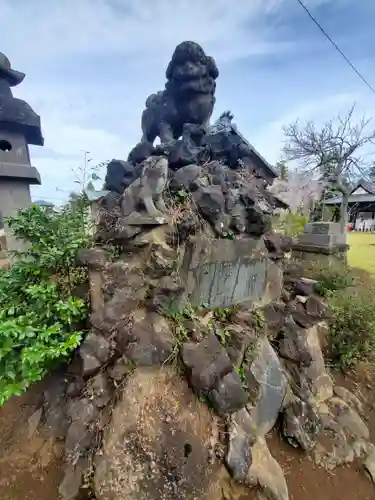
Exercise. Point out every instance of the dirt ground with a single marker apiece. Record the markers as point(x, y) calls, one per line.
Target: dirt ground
point(31, 469)
point(307, 481)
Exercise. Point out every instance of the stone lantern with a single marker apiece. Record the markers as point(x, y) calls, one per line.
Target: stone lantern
point(19, 127)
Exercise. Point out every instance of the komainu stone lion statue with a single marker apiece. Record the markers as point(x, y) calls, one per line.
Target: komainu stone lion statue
point(145, 194)
point(189, 95)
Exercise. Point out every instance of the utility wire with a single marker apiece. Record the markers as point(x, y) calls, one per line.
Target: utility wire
point(336, 47)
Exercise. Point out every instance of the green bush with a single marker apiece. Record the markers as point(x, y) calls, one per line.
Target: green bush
point(351, 299)
point(289, 223)
point(332, 278)
point(40, 318)
point(352, 331)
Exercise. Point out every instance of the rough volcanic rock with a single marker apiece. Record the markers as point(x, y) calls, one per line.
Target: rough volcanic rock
point(274, 317)
point(160, 448)
point(267, 381)
point(140, 152)
point(238, 339)
point(369, 464)
point(120, 369)
point(301, 424)
point(293, 344)
point(333, 447)
point(266, 474)
point(229, 395)
point(150, 339)
point(320, 380)
point(207, 362)
point(257, 222)
point(317, 309)
point(162, 261)
point(164, 292)
point(239, 457)
point(274, 284)
point(115, 276)
point(115, 315)
point(349, 398)
point(305, 287)
point(95, 351)
point(33, 422)
point(95, 258)
point(348, 419)
point(188, 225)
point(211, 203)
point(243, 318)
point(299, 381)
point(277, 244)
point(188, 149)
point(73, 479)
point(363, 448)
point(55, 419)
point(75, 387)
point(83, 414)
point(186, 178)
point(120, 174)
point(309, 312)
point(109, 213)
point(293, 272)
point(99, 390)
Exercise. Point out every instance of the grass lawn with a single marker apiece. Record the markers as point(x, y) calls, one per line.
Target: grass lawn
point(362, 251)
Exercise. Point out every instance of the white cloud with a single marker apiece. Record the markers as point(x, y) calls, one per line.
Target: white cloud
point(39, 34)
point(90, 65)
point(66, 28)
point(71, 141)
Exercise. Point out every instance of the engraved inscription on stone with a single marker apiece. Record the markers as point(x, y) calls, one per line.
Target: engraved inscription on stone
point(222, 284)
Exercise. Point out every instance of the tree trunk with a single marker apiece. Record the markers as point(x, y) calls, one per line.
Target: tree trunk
point(344, 212)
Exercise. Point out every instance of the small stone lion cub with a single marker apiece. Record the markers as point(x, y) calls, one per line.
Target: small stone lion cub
point(146, 192)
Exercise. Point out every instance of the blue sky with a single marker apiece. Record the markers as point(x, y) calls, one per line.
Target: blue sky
point(90, 65)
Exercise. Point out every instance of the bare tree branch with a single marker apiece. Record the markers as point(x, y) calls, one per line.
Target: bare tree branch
point(335, 146)
point(334, 151)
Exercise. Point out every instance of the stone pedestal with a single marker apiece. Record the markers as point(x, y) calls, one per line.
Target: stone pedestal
point(321, 242)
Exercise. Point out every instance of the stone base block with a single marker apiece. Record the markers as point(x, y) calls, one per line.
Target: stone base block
point(322, 240)
point(325, 255)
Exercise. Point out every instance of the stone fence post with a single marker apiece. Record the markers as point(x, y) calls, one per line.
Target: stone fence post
point(94, 260)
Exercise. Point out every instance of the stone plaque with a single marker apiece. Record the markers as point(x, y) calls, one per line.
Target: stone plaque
point(222, 284)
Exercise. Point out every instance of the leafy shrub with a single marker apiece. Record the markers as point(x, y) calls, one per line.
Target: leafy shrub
point(352, 303)
point(39, 316)
point(289, 223)
point(352, 332)
point(332, 278)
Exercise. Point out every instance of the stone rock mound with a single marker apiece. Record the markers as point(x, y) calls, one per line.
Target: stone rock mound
point(201, 336)
point(159, 442)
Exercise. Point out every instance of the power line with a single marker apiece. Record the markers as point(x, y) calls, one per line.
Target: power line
point(336, 47)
